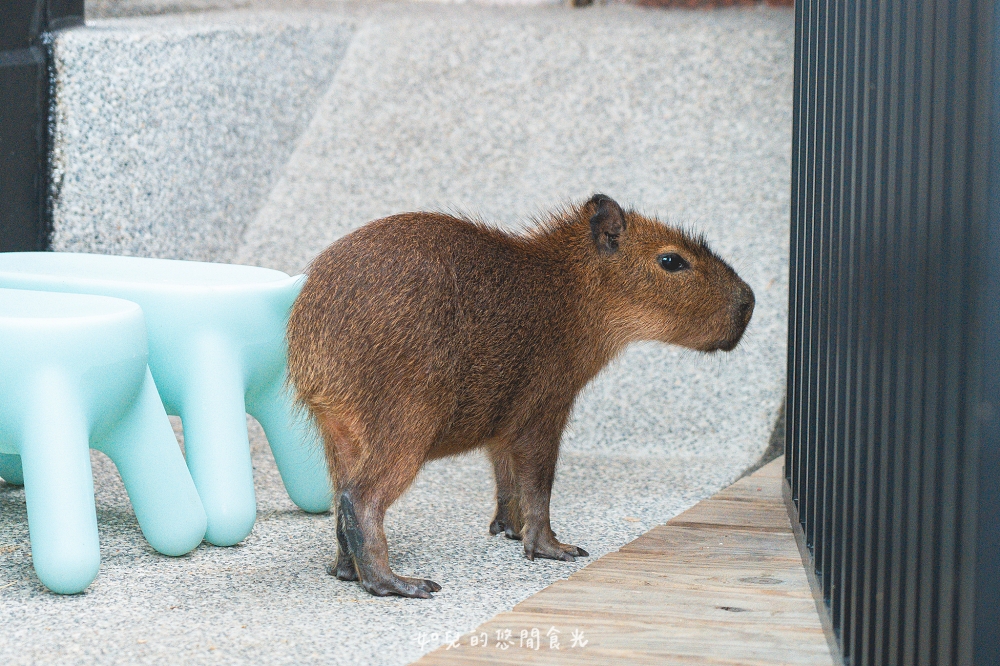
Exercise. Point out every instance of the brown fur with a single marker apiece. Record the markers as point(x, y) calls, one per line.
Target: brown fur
point(424, 335)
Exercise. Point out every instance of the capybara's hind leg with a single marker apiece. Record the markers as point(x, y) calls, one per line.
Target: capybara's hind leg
point(507, 518)
point(392, 456)
point(361, 524)
point(343, 450)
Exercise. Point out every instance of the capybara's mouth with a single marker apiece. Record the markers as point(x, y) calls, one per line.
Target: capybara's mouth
point(730, 345)
point(726, 345)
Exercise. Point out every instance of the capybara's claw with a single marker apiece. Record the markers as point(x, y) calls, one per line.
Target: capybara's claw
point(423, 584)
point(497, 526)
point(401, 587)
point(554, 554)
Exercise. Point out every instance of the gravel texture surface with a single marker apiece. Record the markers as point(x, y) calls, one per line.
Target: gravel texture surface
point(502, 113)
point(169, 132)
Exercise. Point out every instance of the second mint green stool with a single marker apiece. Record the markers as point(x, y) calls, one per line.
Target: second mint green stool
point(217, 351)
point(73, 376)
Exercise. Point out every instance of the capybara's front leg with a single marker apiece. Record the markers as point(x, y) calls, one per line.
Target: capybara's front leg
point(507, 518)
point(364, 536)
point(534, 469)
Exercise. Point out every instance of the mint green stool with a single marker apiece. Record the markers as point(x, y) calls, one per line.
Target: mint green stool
point(217, 351)
point(73, 376)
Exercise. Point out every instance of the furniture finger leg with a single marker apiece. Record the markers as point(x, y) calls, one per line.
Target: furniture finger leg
point(59, 489)
point(296, 446)
point(216, 444)
point(163, 495)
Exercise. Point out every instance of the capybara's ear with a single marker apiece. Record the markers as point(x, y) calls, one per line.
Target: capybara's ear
point(607, 223)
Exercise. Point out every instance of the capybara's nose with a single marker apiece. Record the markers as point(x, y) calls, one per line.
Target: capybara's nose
point(745, 305)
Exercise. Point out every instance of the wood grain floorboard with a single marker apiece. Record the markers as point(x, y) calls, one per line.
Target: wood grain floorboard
point(722, 583)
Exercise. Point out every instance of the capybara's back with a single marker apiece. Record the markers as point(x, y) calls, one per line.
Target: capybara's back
point(424, 335)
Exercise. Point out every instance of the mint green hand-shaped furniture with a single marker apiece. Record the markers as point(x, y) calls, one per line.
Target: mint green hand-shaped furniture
point(217, 351)
point(73, 375)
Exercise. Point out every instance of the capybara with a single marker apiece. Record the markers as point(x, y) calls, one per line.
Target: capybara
point(424, 335)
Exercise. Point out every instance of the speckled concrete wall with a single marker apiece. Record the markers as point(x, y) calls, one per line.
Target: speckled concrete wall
point(170, 131)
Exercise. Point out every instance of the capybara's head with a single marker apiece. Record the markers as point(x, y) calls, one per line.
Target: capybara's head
point(666, 285)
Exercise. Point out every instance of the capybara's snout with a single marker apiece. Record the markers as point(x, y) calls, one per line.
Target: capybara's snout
point(741, 311)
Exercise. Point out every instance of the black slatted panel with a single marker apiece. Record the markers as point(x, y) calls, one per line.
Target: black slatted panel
point(24, 117)
point(893, 430)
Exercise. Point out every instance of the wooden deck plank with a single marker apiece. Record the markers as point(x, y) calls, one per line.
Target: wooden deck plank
point(755, 516)
point(752, 488)
point(774, 469)
point(722, 583)
point(708, 542)
point(632, 642)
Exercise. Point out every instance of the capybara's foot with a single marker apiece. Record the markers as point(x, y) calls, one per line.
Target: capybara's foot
point(496, 527)
point(343, 570)
point(542, 543)
point(507, 520)
point(414, 588)
point(508, 530)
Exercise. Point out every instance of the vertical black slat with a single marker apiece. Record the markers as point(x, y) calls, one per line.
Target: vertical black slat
point(862, 312)
point(803, 155)
point(23, 148)
point(854, 450)
point(974, 276)
point(795, 436)
point(925, 260)
point(795, 273)
point(816, 262)
point(982, 572)
point(805, 338)
point(908, 344)
point(890, 334)
point(828, 284)
point(834, 463)
point(959, 95)
point(871, 351)
point(947, 257)
point(979, 575)
point(887, 530)
point(840, 600)
point(865, 325)
point(819, 281)
point(834, 466)
point(793, 398)
point(793, 235)
point(24, 219)
point(877, 230)
point(928, 566)
point(814, 257)
point(813, 232)
point(901, 97)
point(818, 287)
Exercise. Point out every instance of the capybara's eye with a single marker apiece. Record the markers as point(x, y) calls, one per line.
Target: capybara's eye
point(672, 262)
